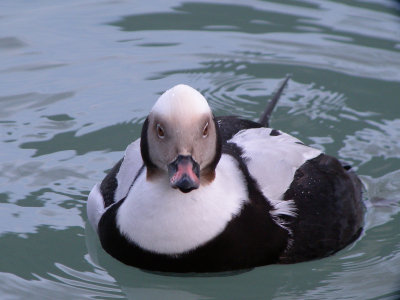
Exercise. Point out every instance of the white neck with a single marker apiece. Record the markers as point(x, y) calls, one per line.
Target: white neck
point(164, 220)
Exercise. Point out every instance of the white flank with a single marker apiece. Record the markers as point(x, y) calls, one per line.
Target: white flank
point(95, 206)
point(164, 220)
point(272, 161)
point(127, 172)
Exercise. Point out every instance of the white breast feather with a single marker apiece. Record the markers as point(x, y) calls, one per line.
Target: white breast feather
point(164, 220)
point(272, 161)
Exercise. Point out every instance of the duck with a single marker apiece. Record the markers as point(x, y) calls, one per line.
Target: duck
point(198, 193)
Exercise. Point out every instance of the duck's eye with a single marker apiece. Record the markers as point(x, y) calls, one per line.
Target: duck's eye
point(160, 131)
point(205, 130)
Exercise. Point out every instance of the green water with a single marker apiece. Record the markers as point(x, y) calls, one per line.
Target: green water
point(77, 79)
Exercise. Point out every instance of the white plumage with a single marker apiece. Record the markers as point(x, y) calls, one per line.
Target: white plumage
point(165, 220)
point(272, 161)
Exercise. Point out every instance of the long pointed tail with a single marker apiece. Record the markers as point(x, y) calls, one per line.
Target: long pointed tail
point(264, 119)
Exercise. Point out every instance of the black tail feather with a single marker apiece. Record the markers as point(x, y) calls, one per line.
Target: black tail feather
point(264, 119)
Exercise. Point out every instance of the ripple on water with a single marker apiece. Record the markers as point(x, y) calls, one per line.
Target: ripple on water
point(67, 116)
point(83, 285)
point(382, 139)
point(228, 90)
point(383, 201)
point(11, 42)
point(16, 103)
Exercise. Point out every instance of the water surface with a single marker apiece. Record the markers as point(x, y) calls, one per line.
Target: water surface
point(77, 79)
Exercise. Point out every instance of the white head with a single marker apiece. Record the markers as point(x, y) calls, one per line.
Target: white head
point(180, 139)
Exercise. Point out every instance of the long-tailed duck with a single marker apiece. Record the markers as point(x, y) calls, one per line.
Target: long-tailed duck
point(198, 193)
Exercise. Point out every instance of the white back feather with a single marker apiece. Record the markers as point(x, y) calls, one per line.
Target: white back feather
point(272, 161)
point(95, 206)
